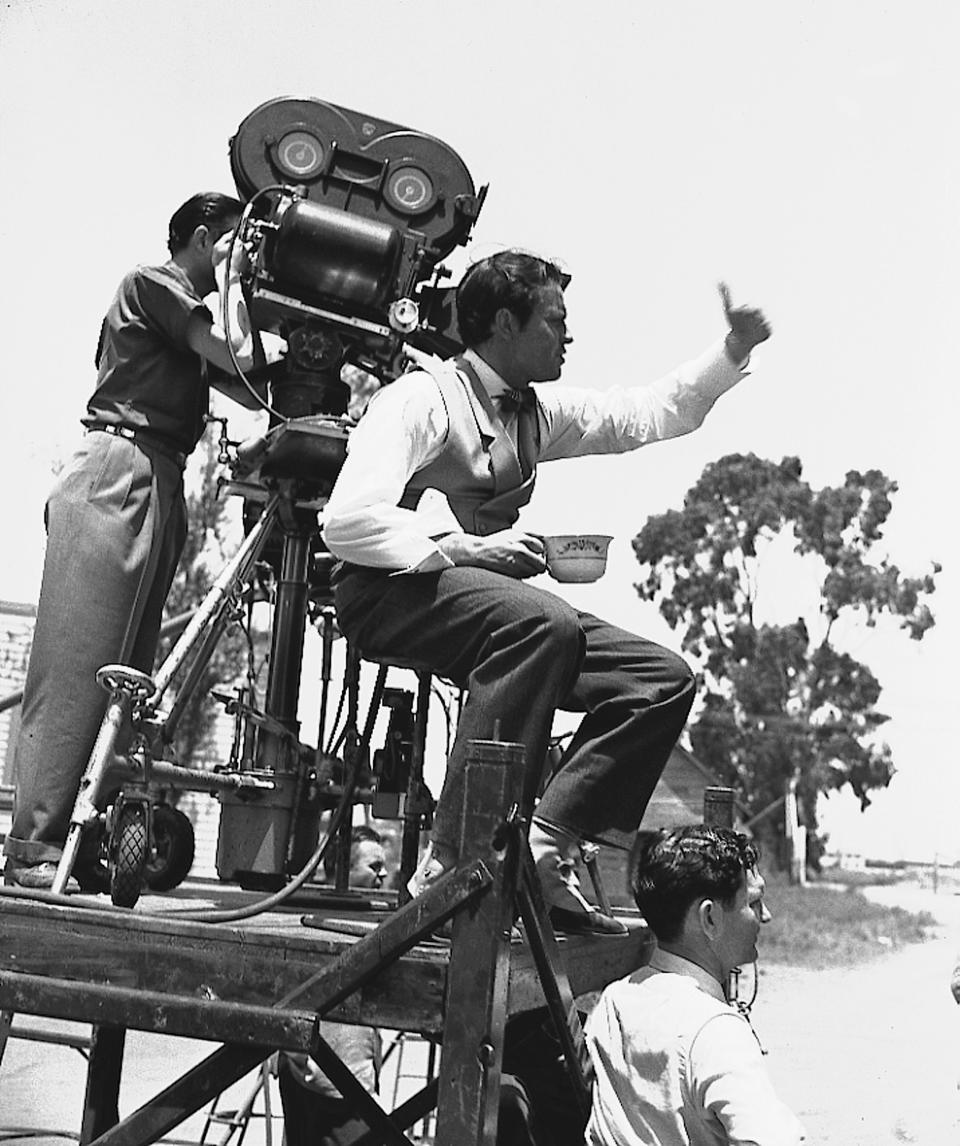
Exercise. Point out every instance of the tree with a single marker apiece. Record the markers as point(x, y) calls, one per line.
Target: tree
point(783, 708)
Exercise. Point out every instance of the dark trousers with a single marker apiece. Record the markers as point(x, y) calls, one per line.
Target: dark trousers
point(537, 1102)
point(116, 524)
point(521, 653)
point(313, 1119)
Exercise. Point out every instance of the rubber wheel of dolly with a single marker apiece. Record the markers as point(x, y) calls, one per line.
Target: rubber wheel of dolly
point(131, 856)
point(173, 845)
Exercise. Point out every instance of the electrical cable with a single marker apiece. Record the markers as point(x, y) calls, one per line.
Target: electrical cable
point(225, 309)
point(332, 741)
point(230, 915)
point(744, 1007)
point(227, 915)
point(233, 915)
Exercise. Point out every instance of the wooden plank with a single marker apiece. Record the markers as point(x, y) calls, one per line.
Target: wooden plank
point(6, 1030)
point(214, 963)
point(96, 1003)
point(591, 963)
point(323, 991)
point(556, 983)
point(112, 967)
point(478, 980)
point(100, 1103)
point(205, 964)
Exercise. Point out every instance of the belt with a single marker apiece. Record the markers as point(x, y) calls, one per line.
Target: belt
point(142, 438)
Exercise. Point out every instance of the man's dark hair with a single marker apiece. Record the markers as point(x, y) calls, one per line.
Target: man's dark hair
point(205, 209)
point(510, 279)
point(671, 869)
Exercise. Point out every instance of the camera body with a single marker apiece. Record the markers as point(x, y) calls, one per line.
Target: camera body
point(348, 219)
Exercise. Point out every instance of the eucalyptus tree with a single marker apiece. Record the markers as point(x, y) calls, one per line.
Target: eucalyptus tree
point(785, 709)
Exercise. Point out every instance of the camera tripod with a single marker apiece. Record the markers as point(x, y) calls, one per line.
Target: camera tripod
point(274, 788)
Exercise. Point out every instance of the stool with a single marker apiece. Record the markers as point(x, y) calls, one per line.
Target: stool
point(401, 793)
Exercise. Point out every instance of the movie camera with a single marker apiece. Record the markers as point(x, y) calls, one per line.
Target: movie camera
point(346, 222)
point(348, 218)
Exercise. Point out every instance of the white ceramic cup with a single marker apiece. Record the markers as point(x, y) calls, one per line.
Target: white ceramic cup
point(577, 556)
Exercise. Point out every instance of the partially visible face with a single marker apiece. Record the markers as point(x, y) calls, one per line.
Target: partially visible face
point(742, 921)
point(216, 248)
point(538, 348)
point(369, 867)
point(220, 235)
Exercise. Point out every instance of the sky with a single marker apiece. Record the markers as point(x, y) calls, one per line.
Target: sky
point(802, 153)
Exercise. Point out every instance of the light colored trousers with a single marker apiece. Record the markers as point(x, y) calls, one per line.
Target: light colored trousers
point(116, 525)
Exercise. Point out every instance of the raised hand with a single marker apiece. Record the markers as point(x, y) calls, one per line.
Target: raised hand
point(748, 326)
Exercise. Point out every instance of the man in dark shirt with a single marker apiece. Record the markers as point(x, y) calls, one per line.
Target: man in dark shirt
point(116, 519)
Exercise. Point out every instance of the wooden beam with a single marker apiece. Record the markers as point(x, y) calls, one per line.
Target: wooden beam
point(101, 1099)
point(479, 975)
point(323, 990)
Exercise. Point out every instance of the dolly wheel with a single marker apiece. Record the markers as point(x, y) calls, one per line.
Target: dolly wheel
point(131, 855)
point(171, 855)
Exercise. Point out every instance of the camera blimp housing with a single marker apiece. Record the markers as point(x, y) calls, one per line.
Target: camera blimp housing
point(348, 218)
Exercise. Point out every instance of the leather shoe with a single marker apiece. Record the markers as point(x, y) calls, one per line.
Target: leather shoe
point(555, 854)
point(35, 877)
point(585, 922)
point(429, 870)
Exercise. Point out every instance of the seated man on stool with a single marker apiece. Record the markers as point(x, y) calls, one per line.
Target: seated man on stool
point(453, 598)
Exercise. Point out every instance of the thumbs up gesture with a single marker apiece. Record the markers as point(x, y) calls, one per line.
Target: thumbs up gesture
point(748, 326)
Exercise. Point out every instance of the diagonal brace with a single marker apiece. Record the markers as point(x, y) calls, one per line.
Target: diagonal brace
point(323, 991)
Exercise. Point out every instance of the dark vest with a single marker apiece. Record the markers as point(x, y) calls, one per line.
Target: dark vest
point(478, 469)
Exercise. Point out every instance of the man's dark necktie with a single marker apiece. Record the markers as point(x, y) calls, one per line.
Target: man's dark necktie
point(513, 401)
point(523, 403)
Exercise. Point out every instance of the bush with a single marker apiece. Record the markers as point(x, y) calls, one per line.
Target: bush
point(817, 925)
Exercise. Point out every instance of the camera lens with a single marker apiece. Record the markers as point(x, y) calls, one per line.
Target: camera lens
point(410, 190)
point(299, 153)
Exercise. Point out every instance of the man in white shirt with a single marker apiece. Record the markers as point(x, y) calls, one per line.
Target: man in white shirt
point(674, 1063)
point(447, 591)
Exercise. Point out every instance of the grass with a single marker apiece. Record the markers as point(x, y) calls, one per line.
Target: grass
point(815, 926)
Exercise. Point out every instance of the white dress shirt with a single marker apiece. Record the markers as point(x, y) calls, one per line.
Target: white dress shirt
point(676, 1065)
point(405, 426)
point(359, 1048)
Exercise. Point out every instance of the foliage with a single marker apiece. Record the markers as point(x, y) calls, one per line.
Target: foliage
point(207, 547)
point(815, 926)
point(781, 704)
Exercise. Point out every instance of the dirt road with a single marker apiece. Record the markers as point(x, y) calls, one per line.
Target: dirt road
point(870, 1055)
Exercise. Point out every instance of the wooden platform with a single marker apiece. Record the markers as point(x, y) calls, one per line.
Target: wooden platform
point(151, 969)
point(198, 963)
